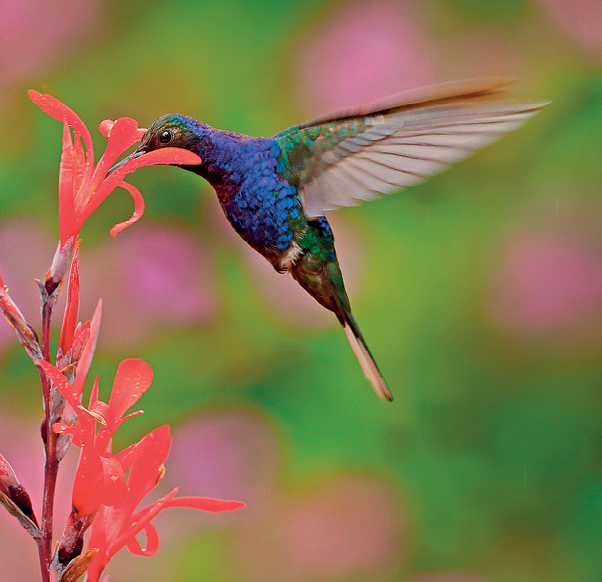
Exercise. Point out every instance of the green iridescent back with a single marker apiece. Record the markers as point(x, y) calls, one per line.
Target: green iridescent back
point(303, 147)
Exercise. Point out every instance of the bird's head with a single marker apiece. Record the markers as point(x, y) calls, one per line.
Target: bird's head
point(173, 131)
point(169, 131)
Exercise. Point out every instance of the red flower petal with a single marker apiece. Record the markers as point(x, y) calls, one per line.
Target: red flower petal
point(204, 504)
point(60, 382)
point(146, 469)
point(72, 307)
point(115, 488)
point(167, 156)
point(128, 456)
point(151, 546)
point(123, 134)
point(87, 486)
point(94, 394)
point(80, 339)
point(88, 352)
point(178, 156)
point(133, 378)
point(138, 209)
point(105, 127)
point(67, 191)
point(53, 107)
point(131, 524)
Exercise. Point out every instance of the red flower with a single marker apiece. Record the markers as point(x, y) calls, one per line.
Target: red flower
point(100, 477)
point(116, 527)
point(100, 482)
point(82, 185)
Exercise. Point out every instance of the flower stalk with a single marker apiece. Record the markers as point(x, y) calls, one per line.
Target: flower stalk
point(108, 486)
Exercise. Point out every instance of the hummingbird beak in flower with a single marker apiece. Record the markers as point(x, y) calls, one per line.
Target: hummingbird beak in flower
point(169, 141)
point(120, 163)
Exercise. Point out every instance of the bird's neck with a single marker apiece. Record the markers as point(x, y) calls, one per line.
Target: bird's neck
point(228, 158)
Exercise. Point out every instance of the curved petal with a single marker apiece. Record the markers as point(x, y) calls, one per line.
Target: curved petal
point(53, 107)
point(204, 504)
point(151, 546)
point(142, 519)
point(138, 521)
point(166, 156)
point(138, 209)
point(105, 127)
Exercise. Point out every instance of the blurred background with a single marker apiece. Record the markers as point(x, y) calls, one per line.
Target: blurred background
point(479, 292)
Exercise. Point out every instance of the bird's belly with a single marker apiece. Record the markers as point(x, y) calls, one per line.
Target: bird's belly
point(261, 213)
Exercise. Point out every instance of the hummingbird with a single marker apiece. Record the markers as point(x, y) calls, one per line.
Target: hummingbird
point(276, 190)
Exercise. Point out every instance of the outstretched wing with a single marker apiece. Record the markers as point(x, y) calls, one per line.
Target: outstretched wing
point(359, 154)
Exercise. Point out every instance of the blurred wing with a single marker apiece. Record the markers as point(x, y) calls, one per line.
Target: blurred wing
point(396, 143)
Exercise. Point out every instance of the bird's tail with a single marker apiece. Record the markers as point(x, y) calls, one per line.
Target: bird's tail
point(363, 355)
point(318, 272)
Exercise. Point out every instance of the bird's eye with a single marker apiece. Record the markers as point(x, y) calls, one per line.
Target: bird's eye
point(165, 136)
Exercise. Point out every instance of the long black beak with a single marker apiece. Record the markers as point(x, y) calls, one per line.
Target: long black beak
point(125, 160)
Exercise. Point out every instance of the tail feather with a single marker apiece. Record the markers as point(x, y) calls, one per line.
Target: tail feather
point(365, 359)
point(317, 271)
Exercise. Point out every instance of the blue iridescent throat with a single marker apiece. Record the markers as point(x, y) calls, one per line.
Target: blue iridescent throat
point(243, 171)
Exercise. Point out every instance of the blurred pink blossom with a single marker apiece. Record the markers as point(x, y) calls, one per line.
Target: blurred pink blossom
point(26, 252)
point(20, 444)
point(579, 20)
point(362, 52)
point(234, 452)
point(349, 528)
point(151, 275)
point(549, 281)
point(38, 34)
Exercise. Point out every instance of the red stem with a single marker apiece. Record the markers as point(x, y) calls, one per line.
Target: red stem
point(51, 463)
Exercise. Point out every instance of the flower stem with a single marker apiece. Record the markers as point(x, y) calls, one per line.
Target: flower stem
point(50, 290)
point(49, 438)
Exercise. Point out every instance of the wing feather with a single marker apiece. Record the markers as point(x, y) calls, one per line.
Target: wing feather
point(358, 188)
point(399, 142)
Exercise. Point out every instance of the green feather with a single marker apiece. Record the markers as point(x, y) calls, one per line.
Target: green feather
point(302, 147)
